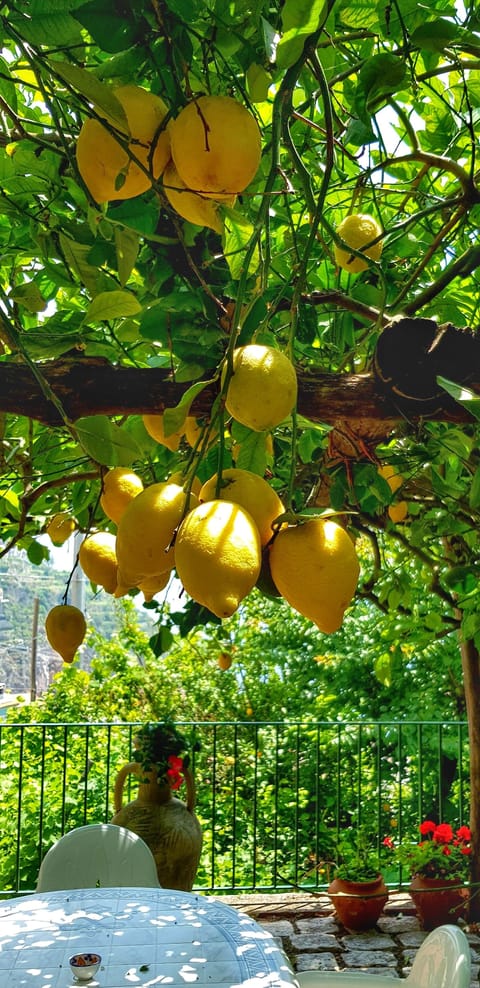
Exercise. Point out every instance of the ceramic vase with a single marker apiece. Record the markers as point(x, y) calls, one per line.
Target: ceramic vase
point(167, 824)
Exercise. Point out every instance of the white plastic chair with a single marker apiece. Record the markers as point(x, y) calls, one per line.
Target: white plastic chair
point(442, 961)
point(99, 854)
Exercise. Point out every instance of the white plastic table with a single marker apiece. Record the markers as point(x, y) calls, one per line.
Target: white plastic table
point(147, 937)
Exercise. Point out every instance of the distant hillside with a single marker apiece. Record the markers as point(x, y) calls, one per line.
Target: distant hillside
point(20, 583)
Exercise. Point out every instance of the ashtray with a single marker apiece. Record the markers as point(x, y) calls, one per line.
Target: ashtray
point(85, 966)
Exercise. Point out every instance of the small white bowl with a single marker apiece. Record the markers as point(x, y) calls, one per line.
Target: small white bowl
point(85, 966)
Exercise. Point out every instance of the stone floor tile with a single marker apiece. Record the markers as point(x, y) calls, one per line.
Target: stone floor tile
point(397, 924)
point(412, 939)
point(368, 958)
point(370, 940)
point(279, 927)
point(323, 924)
point(316, 962)
point(313, 941)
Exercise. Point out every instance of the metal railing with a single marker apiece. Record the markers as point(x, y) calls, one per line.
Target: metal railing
point(270, 797)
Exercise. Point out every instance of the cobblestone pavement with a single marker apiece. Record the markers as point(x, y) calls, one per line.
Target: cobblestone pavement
point(313, 938)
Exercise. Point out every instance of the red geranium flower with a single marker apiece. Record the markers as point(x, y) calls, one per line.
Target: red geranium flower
point(464, 833)
point(443, 834)
point(427, 827)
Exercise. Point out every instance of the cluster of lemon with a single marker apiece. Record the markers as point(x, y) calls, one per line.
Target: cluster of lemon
point(206, 156)
point(217, 543)
point(220, 538)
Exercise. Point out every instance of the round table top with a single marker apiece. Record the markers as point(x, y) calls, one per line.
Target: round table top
point(146, 937)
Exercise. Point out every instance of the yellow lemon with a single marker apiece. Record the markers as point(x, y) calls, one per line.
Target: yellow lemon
point(153, 584)
point(358, 230)
point(251, 492)
point(263, 388)
point(224, 661)
point(120, 485)
point(394, 479)
point(179, 478)
point(98, 560)
point(155, 428)
point(218, 555)
point(194, 429)
point(146, 532)
point(60, 527)
point(107, 168)
point(315, 567)
point(65, 628)
point(216, 145)
point(190, 205)
point(398, 512)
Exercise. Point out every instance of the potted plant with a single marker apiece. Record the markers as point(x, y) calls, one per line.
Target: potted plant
point(439, 867)
point(167, 824)
point(358, 892)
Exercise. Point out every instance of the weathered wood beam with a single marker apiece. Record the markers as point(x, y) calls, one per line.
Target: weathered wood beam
point(89, 387)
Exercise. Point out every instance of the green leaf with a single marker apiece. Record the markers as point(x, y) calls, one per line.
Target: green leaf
point(37, 553)
point(140, 214)
point(76, 258)
point(29, 296)
point(127, 245)
point(112, 305)
point(238, 233)
point(95, 91)
point(105, 442)
point(258, 82)
point(42, 27)
point(463, 395)
point(300, 19)
point(383, 669)
point(474, 496)
point(111, 31)
point(173, 418)
point(380, 75)
point(435, 35)
point(7, 86)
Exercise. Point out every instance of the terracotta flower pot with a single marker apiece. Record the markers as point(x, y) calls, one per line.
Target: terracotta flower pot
point(438, 900)
point(358, 904)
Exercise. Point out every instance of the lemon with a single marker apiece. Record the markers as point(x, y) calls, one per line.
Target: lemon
point(357, 230)
point(398, 512)
point(120, 485)
point(251, 492)
point(146, 532)
point(394, 479)
point(315, 567)
point(178, 478)
point(224, 661)
point(108, 170)
point(190, 205)
point(194, 429)
point(152, 585)
point(98, 560)
point(216, 145)
point(155, 428)
point(65, 628)
point(263, 388)
point(60, 527)
point(218, 555)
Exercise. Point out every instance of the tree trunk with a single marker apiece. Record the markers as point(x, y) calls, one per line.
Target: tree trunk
point(471, 675)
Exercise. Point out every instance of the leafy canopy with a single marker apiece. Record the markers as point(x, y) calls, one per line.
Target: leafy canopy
point(362, 107)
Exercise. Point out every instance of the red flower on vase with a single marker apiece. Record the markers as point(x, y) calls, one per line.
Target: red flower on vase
point(175, 771)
